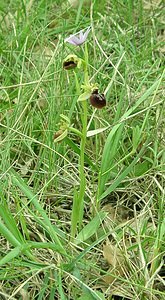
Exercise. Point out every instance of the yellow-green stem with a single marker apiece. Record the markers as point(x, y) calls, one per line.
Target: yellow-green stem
point(81, 167)
point(82, 145)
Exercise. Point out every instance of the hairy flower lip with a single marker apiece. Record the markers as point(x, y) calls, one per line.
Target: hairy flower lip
point(78, 38)
point(67, 65)
point(97, 100)
point(72, 61)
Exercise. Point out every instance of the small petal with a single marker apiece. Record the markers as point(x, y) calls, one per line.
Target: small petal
point(84, 96)
point(60, 135)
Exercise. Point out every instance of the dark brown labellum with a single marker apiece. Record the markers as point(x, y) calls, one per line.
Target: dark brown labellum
point(97, 100)
point(68, 65)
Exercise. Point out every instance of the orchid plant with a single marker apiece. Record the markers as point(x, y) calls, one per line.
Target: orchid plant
point(97, 100)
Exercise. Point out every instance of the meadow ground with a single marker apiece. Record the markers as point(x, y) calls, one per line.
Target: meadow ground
point(82, 217)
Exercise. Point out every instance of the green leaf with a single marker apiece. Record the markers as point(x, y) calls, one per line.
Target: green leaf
point(61, 136)
point(76, 149)
point(18, 181)
point(141, 168)
point(84, 96)
point(96, 131)
point(113, 141)
point(136, 135)
point(65, 118)
point(10, 223)
point(110, 150)
point(122, 176)
point(9, 256)
point(86, 296)
point(92, 296)
point(90, 228)
point(9, 235)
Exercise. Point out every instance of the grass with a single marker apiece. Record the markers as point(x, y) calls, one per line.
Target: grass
point(118, 252)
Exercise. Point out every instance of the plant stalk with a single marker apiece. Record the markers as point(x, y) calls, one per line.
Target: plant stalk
point(82, 145)
point(81, 167)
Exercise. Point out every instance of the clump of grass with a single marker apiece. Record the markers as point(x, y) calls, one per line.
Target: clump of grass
point(124, 157)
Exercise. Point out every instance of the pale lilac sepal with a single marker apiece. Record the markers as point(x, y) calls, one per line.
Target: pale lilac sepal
point(78, 38)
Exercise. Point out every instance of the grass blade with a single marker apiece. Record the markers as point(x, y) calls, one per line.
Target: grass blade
point(114, 135)
point(18, 181)
point(122, 175)
point(91, 228)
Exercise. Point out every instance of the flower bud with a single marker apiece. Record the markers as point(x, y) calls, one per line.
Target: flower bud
point(97, 100)
point(57, 134)
point(63, 131)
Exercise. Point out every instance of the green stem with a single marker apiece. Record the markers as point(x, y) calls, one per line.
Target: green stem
point(76, 131)
point(81, 167)
point(78, 199)
point(83, 142)
point(86, 76)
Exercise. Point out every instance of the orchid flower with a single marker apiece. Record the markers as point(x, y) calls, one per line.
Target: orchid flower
point(97, 100)
point(78, 38)
point(72, 61)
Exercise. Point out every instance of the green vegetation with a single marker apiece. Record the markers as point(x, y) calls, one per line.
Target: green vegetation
point(116, 249)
